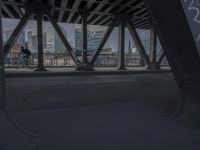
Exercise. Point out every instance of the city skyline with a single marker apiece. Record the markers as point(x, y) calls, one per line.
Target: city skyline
point(10, 24)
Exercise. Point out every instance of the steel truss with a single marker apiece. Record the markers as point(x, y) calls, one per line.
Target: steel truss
point(122, 20)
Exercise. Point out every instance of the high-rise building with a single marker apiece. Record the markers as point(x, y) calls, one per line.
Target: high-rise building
point(94, 36)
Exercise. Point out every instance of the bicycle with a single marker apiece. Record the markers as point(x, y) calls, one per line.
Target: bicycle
point(24, 60)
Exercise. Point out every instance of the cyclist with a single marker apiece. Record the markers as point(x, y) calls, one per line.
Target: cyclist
point(26, 55)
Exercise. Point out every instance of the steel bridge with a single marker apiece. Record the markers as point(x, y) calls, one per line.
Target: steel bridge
point(175, 23)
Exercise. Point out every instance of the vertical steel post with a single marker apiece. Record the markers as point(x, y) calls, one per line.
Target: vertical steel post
point(2, 71)
point(152, 64)
point(84, 15)
point(153, 44)
point(40, 67)
point(121, 46)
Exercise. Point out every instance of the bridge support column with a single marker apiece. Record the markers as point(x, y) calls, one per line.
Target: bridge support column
point(84, 65)
point(153, 65)
point(40, 66)
point(121, 46)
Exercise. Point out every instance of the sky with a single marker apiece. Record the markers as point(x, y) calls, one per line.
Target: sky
point(10, 24)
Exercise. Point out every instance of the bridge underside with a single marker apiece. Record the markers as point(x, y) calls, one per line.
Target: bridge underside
point(167, 19)
point(124, 14)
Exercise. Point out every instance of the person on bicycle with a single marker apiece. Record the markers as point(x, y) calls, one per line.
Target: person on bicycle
point(26, 53)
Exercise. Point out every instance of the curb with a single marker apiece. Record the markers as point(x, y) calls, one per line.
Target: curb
point(80, 73)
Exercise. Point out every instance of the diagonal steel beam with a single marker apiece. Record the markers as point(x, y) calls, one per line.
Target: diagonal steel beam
point(137, 41)
point(16, 33)
point(102, 43)
point(161, 56)
point(61, 14)
point(63, 38)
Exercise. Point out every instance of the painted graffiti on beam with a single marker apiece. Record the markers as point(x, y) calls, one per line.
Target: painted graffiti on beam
point(192, 12)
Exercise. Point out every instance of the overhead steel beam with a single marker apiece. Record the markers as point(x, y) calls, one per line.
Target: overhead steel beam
point(7, 11)
point(87, 7)
point(16, 8)
point(99, 7)
point(61, 13)
point(138, 42)
point(107, 10)
point(102, 43)
point(127, 5)
point(63, 38)
point(16, 33)
point(75, 6)
point(132, 9)
point(121, 46)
